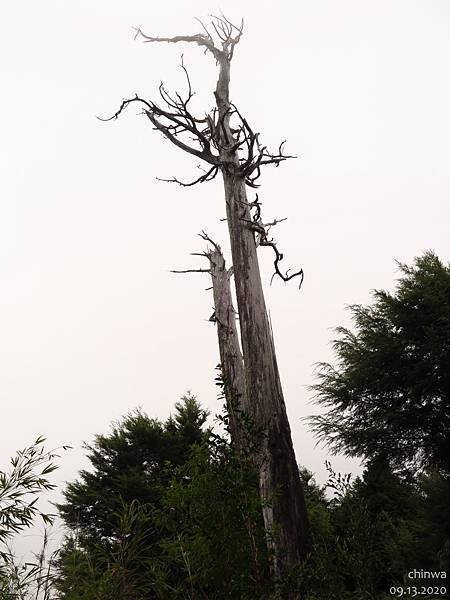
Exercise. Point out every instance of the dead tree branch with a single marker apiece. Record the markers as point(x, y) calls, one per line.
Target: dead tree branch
point(224, 318)
point(227, 34)
point(205, 254)
point(192, 271)
point(176, 123)
point(262, 230)
point(257, 155)
point(207, 137)
point(206, 237)
point(207, 176)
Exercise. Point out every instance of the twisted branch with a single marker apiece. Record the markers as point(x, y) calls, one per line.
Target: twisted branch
point(206, 137)
point(262, 230)
point(206, 254)
point(228, 36)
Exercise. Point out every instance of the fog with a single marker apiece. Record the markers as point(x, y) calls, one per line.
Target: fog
point(93, 323)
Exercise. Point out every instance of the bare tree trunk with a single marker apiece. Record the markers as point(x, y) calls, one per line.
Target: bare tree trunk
point(231, 361)
point(230, 352)
point(284, 509)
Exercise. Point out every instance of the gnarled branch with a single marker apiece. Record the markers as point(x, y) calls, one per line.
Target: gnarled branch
point(199, 136)
point(207, 176)
point(262, 230)
point(228, 36)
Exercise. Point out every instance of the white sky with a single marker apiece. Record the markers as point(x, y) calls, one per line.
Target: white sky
point(92, 322)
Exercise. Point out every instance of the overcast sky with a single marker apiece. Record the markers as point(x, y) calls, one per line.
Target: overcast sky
point(92, 322)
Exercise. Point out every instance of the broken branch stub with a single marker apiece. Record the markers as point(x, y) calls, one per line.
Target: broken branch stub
point(224, 316)
point(230, 352)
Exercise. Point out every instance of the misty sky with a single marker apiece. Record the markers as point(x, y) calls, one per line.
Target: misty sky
point(92, 322)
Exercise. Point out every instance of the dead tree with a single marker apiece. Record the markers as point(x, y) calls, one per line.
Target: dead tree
point(225, 141)
point(224, 317)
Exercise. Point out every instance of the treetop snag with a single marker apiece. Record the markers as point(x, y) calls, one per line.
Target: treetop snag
point(207, 137)
point(228, 36)
point(223, 138)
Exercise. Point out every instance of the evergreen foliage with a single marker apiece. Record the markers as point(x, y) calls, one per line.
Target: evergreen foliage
point(205, 538)
point(195, 530)
point(169, 510)
point(379, 527)
point(133, 463)
point(202, 535)
point(390, 391)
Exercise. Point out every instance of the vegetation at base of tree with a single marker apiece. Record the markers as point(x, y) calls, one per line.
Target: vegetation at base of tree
point(390, 391)
point(367, 536)
point(169, 510)
point(205, 538)
point(202, 535)
point(133, 463)
point(197, 530)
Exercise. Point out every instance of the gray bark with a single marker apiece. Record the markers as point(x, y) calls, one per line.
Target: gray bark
point(284, 509)
point(281, 491)
point(230, 352)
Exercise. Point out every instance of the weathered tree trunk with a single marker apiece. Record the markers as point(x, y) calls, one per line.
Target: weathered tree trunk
point(230, 352)
point(217, 144)
point(284, 509)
